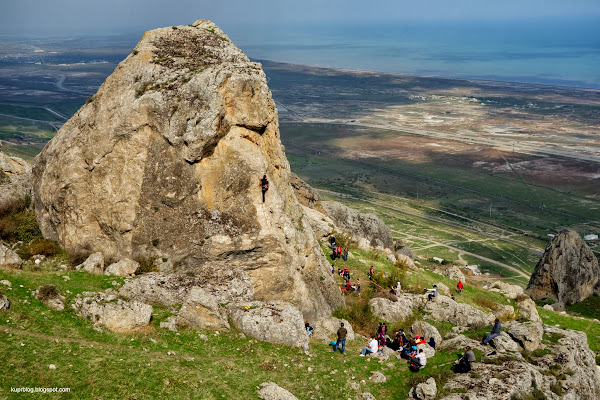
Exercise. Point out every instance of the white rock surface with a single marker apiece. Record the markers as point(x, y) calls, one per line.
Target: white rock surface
point(271, 391)
point(124, 267)
point(116, 314)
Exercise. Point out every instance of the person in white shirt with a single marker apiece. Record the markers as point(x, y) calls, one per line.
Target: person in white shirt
point(421, 358)
point(371, 347)
point(431, 293)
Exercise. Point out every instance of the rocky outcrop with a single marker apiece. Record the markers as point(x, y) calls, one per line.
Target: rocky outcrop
point(4, 302)
point(165, 160)
point(366, 229)
point(321, 224)
point(504, 343)
point(326, 329)
point(426, 331)
point(8, 258)
point(395, 311)
point(227, 285)
point(116, 314)
point(275, 322)
point(528, 335)
point(568, 271)
point(124, 267)
point(272, 391)
point(510, 291)
point(527, 309)
point(454, 273)
point(424, 391)
point(51, 297)
point(94, 264)
point(15, 179)
point(306, 194)
point(445, 309)
point(201, 310)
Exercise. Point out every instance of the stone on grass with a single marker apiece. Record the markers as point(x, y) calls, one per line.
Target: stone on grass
point(51, 297)
point(4, 303)
point(455, 274)
point(504, 343)
point(326, 329)
point(125, 267)
point(272, 391)
point(5, 283)
point(116, 314)
point(9, 258)
point(426, 331)
point(274, 321)
point(200, 309)
point(528, 335)
point(377, 377)
point(527, 309)
point(443, 308)
point(424, 391)
point(94, 264)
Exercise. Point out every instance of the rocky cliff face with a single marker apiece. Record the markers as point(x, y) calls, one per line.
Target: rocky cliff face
point(15, 178)
point(165, 161)
point(568, 271)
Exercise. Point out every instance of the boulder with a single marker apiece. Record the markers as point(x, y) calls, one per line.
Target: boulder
point(445, 309)
point(201, 310)
point(384, 354)
point(15, 180)
point(377, 377)
point(527, 309)
point(165, 160)
point(5, 283)
point(427, 350)
point(365, 396)
point(504, 343)
point(51, 297)
point(124, 267)
point(504, 312)
point(4, 302)
point(9, 258)
point(395, 311)
point(326, 329)
point(271, 391)
point(321, 225)
point(274, 322)
point(426, 331)
point(226, 285)
point(568, 271)
point(443, 289)
point(454, 273)
point(424, 391)
point(528, 335)
point(94, 264)
point(510, 291)
point(459, 342)
point(367, 229)
point(116, 314)
point(548, 307)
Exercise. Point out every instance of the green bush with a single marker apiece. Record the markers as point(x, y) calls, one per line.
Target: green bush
point(146, 265)
point(44, 247)
point(47, 292)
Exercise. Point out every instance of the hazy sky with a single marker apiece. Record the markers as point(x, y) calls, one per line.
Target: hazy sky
point(87, 16)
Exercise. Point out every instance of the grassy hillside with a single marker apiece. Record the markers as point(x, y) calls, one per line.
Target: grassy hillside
point(159, 363)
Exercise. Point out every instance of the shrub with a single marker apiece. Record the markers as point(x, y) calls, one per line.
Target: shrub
point(358, 313)
point(486, 303)
point(77, 258)
point(47, 292)
point(44, 247)
point(146, 265)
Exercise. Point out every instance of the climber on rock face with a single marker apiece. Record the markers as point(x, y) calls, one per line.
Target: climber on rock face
point(264, 185)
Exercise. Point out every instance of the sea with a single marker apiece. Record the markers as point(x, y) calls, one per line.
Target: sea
point(558, 51)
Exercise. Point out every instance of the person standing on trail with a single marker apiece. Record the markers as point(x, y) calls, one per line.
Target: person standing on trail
point(460, 286)
point(345, 254)
point(371, 273)
point(264, 185)
point(341, 339)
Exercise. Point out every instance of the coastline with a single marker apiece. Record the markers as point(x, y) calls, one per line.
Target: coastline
point(474, 81)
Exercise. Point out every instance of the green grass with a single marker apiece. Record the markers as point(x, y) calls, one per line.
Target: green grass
point(589, 327)
point(589, 308)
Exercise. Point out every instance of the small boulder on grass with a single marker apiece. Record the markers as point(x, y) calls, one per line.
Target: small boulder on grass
point(271, 391)
point(4, 302)
point(51, 297)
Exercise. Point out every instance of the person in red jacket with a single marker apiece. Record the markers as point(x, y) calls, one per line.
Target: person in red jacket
point(460, 286)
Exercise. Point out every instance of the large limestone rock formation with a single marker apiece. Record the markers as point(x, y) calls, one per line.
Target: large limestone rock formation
point(15, 178)
point(568, 271)
point(164, 162)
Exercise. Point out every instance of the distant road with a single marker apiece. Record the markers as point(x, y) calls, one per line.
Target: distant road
point(60, 85)
point(31, 119)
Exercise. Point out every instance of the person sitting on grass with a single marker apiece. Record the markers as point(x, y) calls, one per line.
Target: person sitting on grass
point(431, 293)
point(463, 364)
point(371, 347)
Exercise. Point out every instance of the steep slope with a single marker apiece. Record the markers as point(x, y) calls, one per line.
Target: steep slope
point(164, 162)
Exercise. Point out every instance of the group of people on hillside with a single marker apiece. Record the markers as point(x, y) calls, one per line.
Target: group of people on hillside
point(409, 348)
point(337, 251)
